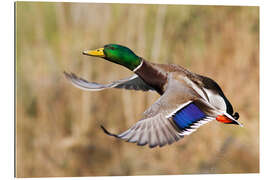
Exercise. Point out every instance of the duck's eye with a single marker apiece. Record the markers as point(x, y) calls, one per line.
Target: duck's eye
point(112, 48)
point(98, 50)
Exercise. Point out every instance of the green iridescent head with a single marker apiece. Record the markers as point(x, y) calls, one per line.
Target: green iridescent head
point(117, 54)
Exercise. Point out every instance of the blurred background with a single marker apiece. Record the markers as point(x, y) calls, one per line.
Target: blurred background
point(58, 126)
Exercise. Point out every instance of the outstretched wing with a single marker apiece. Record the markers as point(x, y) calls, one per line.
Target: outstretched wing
point(178, 112)
point(133, 83)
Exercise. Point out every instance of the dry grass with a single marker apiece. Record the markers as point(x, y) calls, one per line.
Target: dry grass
point(57, 126)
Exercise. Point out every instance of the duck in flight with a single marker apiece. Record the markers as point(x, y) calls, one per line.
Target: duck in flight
point(188, 100)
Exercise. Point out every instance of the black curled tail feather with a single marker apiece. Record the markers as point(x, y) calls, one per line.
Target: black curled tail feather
point(236, 116)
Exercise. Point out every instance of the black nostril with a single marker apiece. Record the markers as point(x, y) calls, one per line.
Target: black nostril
point(236, 116)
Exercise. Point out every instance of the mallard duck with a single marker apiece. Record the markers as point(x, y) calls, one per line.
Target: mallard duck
point(187, 101)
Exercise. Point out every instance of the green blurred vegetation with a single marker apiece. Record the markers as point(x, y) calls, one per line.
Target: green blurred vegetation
point(57, 125)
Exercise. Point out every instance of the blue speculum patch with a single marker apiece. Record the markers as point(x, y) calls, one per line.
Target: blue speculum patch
point(188, 115)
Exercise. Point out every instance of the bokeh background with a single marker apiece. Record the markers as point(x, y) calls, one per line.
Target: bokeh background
point(58, 126)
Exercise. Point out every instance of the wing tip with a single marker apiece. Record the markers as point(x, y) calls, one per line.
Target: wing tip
point(107, 132)
point(67, 75)
point(138, 143)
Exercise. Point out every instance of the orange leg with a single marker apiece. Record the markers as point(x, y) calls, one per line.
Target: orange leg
point(223, 119)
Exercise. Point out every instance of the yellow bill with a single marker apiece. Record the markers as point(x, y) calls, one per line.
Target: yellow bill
point(97, 52)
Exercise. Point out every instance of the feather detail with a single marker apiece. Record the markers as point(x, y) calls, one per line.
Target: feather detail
point(187, 116)
point(131, 83)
